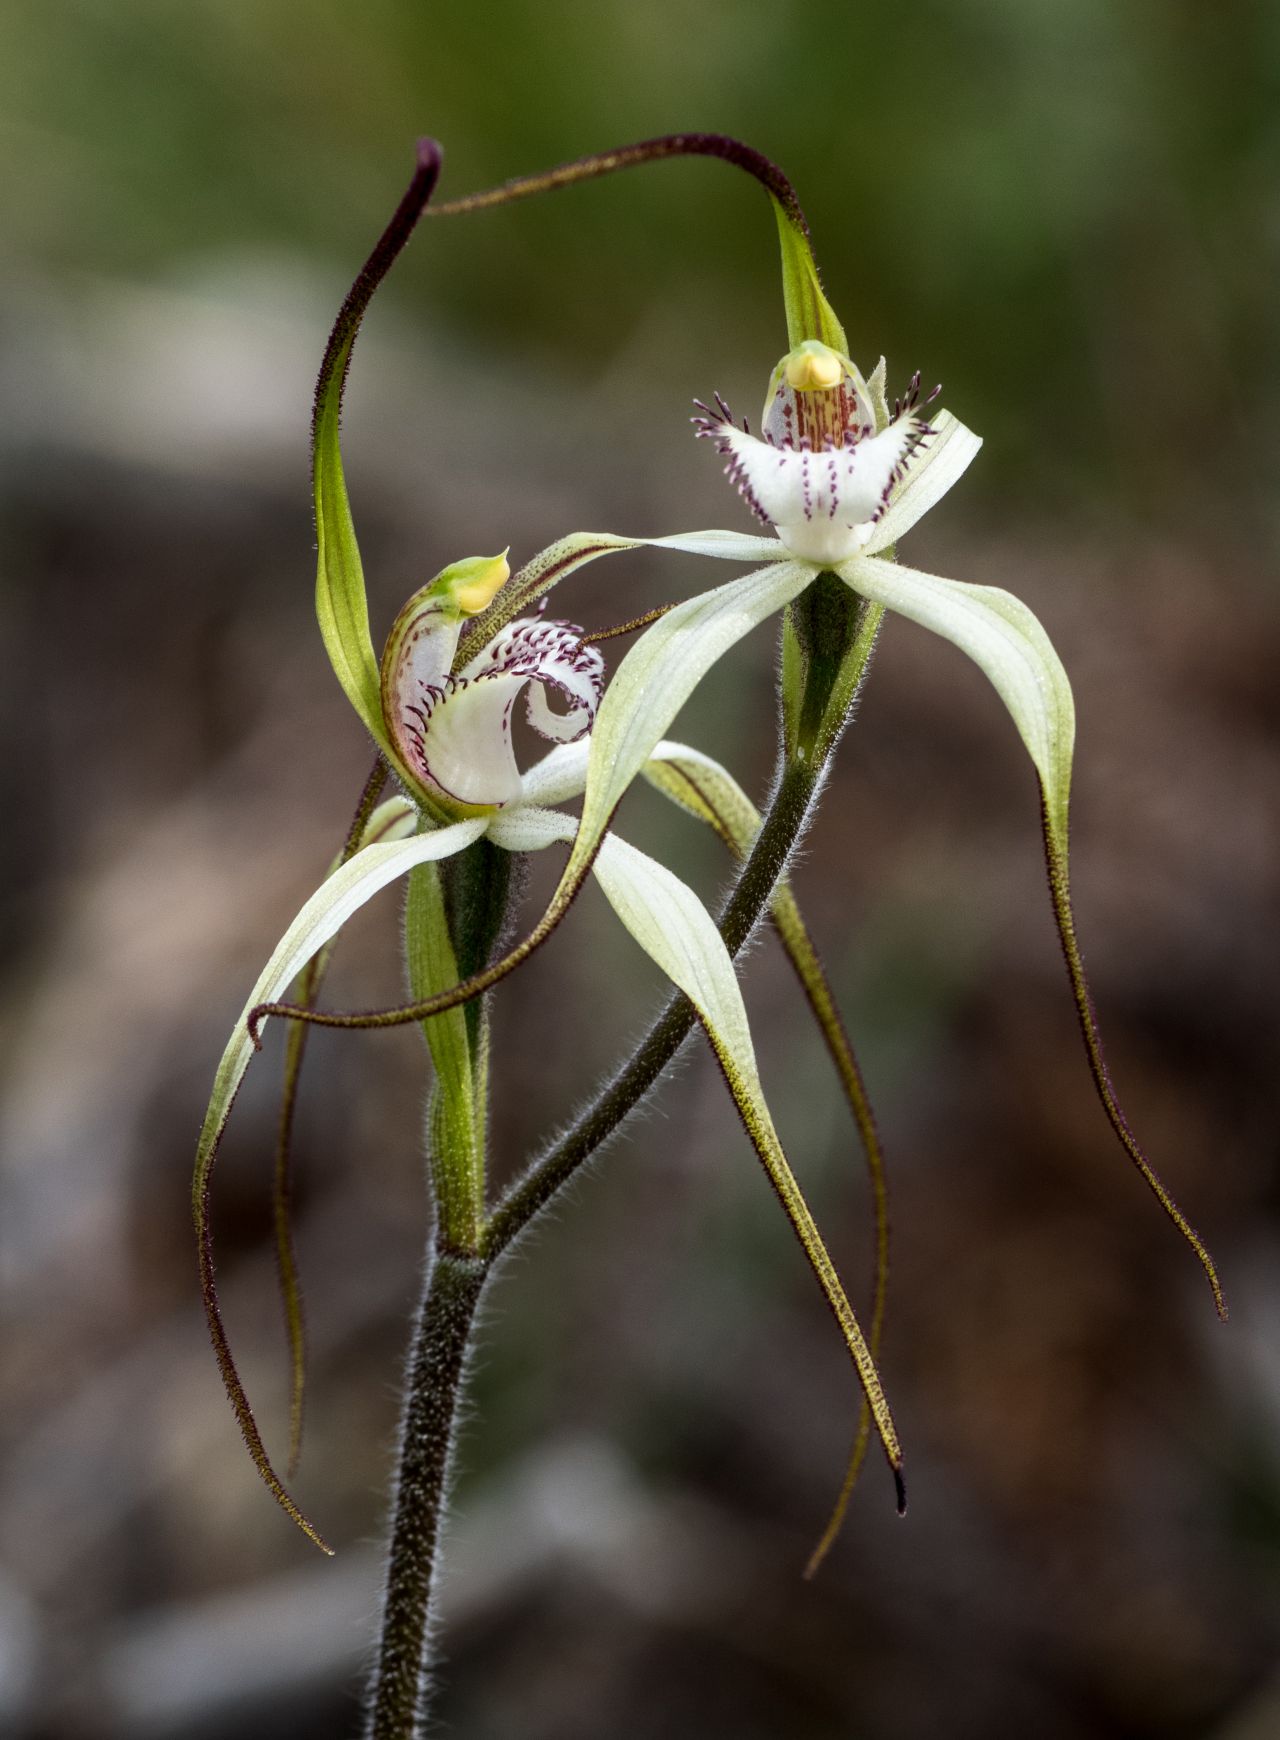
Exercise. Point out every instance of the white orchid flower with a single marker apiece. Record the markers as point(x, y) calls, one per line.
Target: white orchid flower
point(841, 478)
point(453, 732)
point(450, 736)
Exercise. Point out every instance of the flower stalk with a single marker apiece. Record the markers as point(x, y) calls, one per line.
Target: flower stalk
point(433, 1387)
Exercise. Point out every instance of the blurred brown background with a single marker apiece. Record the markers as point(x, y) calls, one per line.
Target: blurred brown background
point(1068, 213)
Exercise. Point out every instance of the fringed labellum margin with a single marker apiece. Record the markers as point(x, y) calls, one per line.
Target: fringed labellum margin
point(821, 476)
point(453, 731)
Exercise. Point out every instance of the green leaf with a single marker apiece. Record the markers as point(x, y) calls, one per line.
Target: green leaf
point(338, 897)
point(674, 928)
point(1006, 641)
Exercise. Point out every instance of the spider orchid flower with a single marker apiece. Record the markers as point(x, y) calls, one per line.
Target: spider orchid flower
point(840, 477)
point(453, 732)
point(449, 735)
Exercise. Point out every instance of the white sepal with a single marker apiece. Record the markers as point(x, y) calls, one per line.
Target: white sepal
point(1005, 639)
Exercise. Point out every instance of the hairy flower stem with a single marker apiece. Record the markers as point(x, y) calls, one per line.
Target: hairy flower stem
point(437, 1367)
point(826, 682)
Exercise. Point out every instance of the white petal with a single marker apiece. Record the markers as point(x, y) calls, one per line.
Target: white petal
point(559, 776)
point(333, 903)
point(1004, 638)
point(527, 827)
point(731, 546)
point(943, 460)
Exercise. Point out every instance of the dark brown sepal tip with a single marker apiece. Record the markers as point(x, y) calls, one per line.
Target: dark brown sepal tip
point(900, 1486)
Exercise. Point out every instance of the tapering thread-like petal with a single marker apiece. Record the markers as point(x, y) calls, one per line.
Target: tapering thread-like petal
point(395, 819)
point(674, 928)
point(338, 897)
point(1056, 861)
point(707, 790)
point(1006, 641)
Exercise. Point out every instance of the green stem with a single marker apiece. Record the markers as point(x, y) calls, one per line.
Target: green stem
point(437, 1371)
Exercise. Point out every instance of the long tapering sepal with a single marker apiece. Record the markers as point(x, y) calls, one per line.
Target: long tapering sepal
point(674, 928)
point(334, 902)
point(368, 824)
point(341, 603)
point(1057, 865)
point(707, 790)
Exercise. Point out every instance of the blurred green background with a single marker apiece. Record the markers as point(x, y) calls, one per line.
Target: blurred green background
point(1070, 214)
